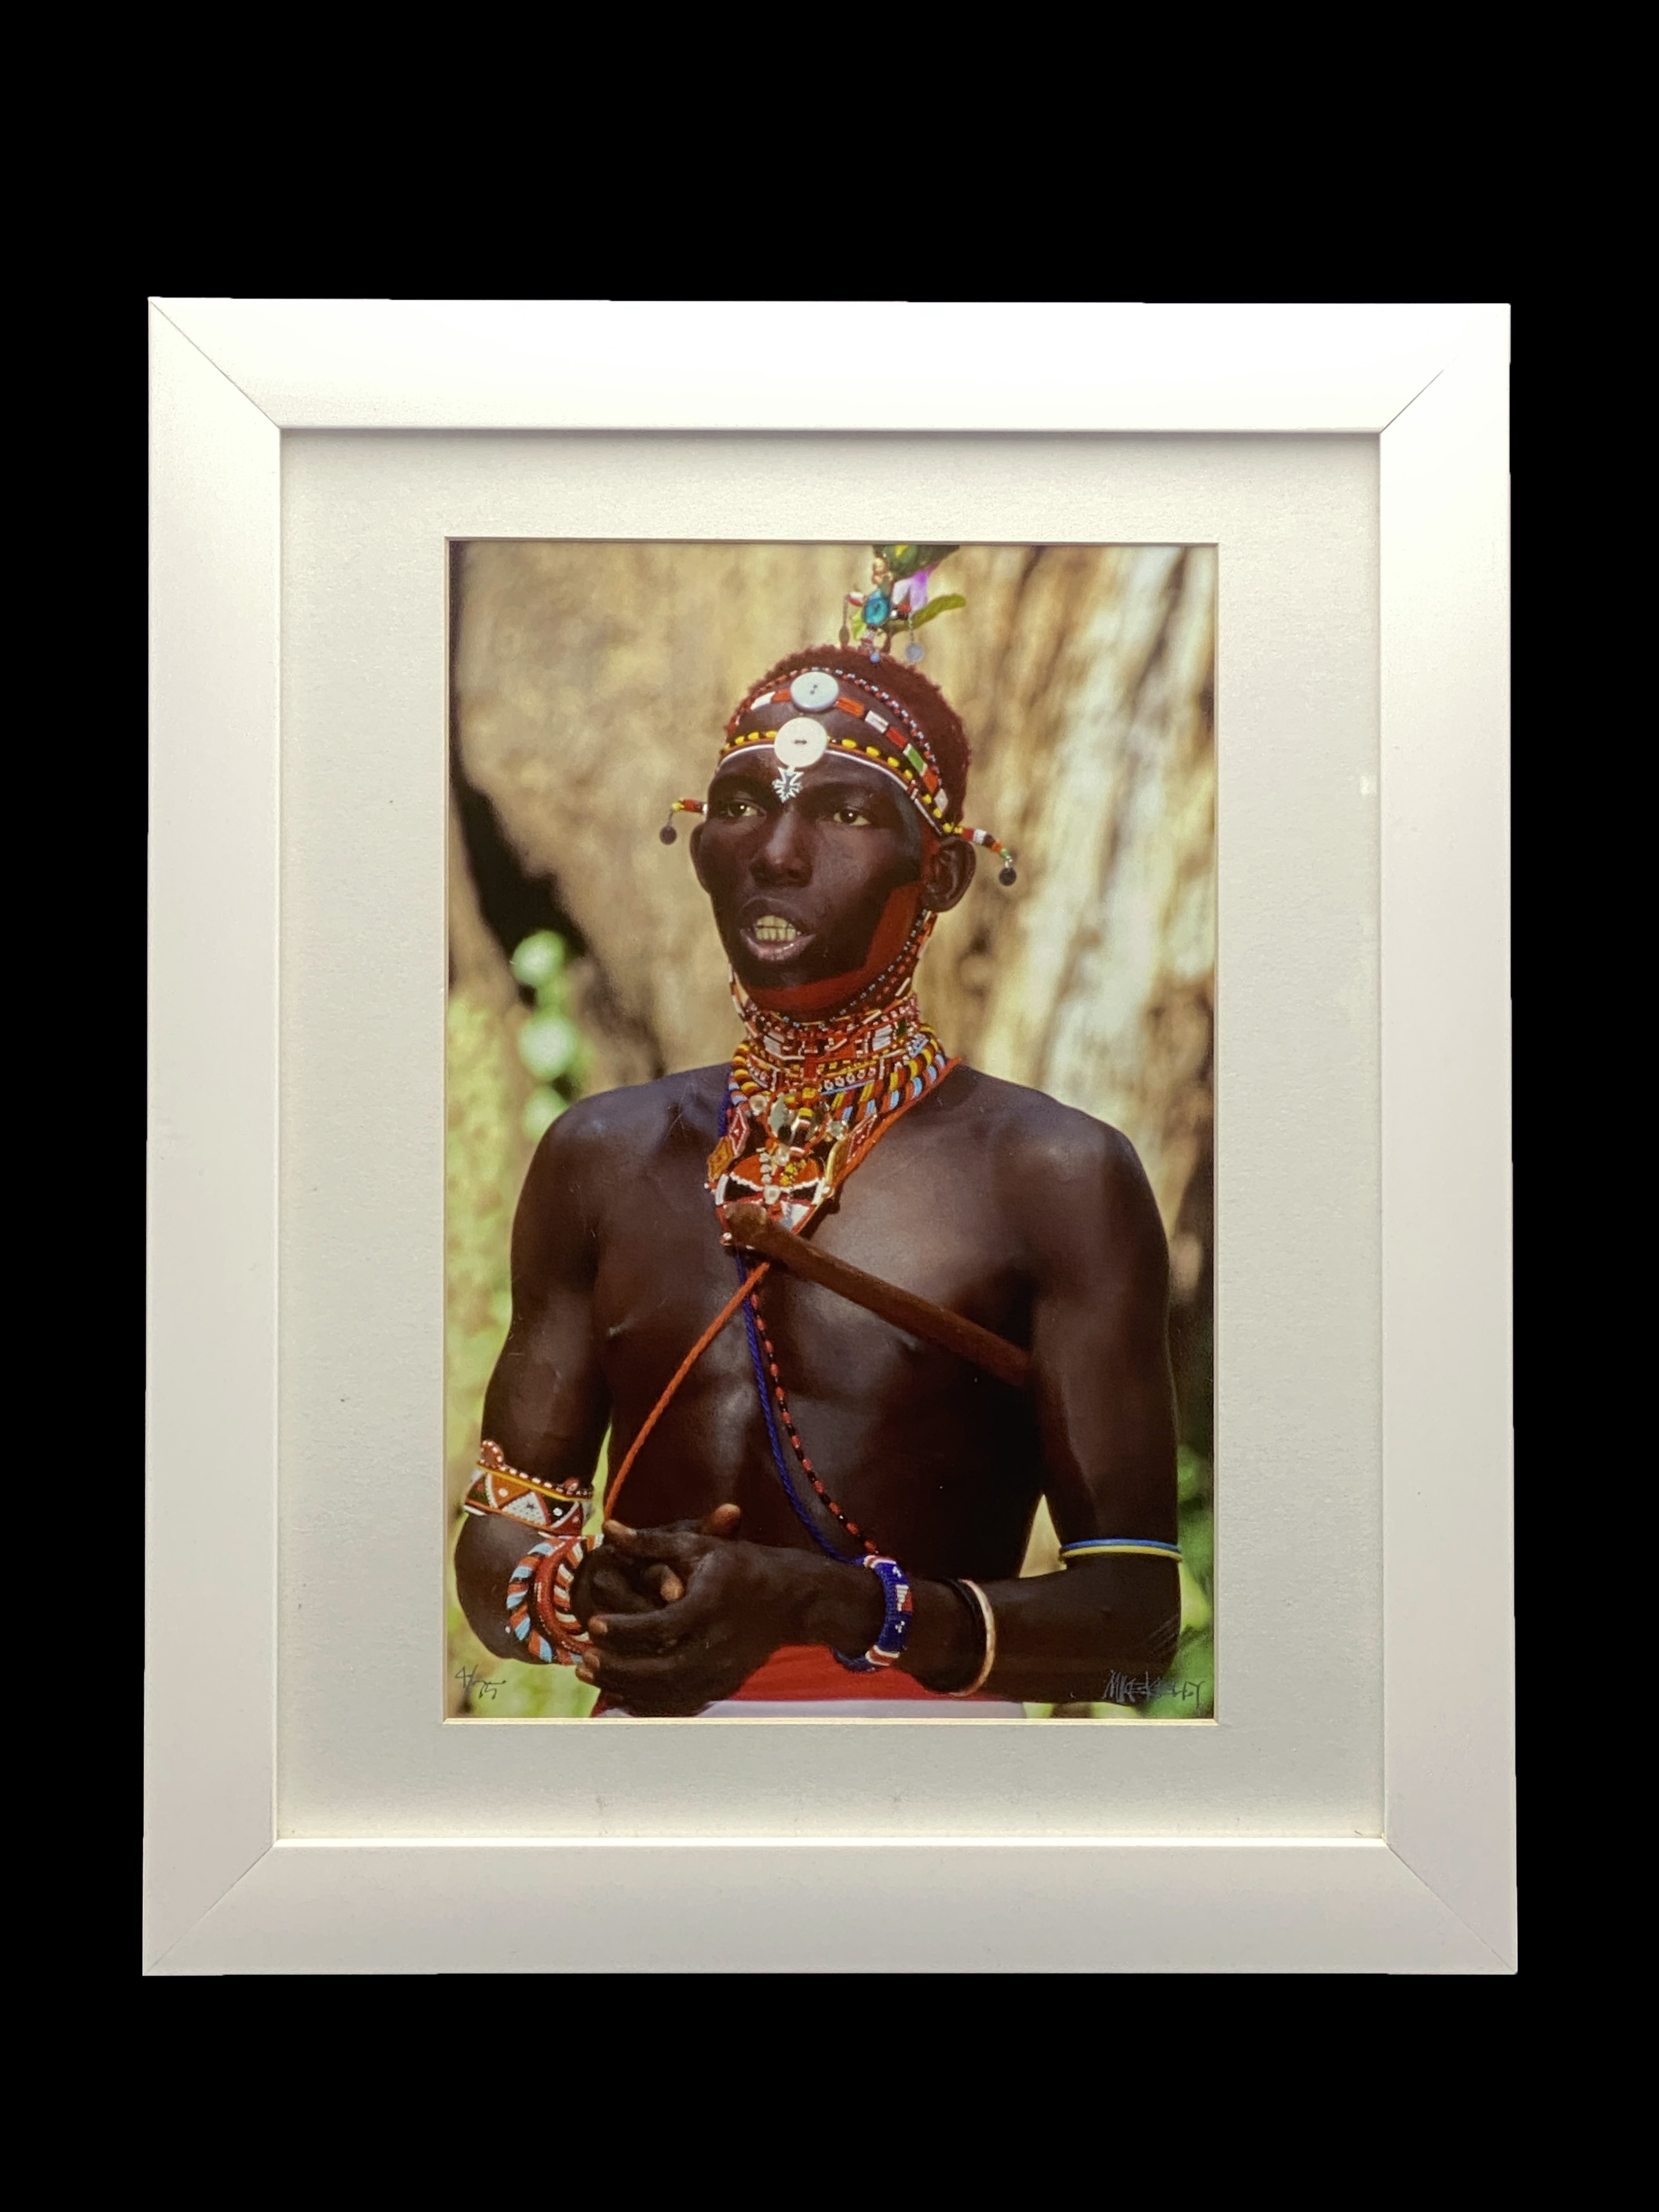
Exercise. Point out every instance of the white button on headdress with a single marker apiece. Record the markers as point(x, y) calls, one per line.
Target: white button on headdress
point(800, 742)
point(815, 690)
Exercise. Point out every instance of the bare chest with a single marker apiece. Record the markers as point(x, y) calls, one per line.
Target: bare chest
point(916, 1217)
point(908, 1439)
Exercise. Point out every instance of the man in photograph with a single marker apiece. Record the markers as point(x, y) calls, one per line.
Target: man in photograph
point(825, 1511)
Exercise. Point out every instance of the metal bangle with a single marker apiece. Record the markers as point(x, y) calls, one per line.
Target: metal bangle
point(990, 1620)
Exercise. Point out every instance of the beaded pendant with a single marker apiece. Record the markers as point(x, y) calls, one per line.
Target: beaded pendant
point(804, 1100)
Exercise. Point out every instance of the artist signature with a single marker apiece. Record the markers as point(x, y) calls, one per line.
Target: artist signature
point(1137, 1689)
point(470, 1680)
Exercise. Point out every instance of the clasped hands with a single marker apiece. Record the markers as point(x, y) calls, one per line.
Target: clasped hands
point(682, 1615)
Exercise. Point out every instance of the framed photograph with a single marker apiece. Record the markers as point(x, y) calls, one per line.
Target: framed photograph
point(457, 611)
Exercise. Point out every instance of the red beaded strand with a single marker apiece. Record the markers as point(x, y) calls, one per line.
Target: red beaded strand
point(794, 1433)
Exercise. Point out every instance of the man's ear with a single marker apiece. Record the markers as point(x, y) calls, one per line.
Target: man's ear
point(696, 840)
point(947, 874)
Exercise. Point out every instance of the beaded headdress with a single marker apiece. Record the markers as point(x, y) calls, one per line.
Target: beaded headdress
point(892, 740)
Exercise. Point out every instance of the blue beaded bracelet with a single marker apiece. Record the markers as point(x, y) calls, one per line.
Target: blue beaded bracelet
point(896, 1620)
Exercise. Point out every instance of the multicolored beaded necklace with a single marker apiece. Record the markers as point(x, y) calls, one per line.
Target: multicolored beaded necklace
point(805, 1101)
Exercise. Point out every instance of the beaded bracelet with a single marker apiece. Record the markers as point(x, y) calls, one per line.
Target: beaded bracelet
point(539, 1610)
point(521, 1623)
point(895, 1630)
point(552, 1509)
point(552, 1583)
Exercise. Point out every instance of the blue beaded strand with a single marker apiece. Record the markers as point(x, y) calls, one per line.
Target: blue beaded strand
point(847, 1558)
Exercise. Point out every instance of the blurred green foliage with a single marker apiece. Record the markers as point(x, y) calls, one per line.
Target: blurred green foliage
point(489, 1137)
point(549, 1043)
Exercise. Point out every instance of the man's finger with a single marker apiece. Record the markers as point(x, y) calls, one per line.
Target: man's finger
point(615, 1601)
point(672, 1548)
point(723, 1520)
point(665, 1628)
point(667, 1584)
point(611, 1590)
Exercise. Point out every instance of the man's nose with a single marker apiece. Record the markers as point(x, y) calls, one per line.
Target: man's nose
point(784, 854)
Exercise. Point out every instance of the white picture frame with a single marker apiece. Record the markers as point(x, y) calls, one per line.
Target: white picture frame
point(1435, 1892)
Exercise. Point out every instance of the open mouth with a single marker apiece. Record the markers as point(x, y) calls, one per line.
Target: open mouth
point(775, 936)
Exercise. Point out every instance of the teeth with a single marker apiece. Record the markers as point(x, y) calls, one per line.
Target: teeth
point(773, 929)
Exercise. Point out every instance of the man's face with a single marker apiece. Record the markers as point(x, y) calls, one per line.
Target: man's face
point(798, 885)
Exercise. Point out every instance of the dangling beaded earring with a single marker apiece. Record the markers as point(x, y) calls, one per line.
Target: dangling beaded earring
point(1008, 875)
point(668, 834)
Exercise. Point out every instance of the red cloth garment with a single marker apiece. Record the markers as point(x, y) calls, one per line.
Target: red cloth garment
point(798, 1672)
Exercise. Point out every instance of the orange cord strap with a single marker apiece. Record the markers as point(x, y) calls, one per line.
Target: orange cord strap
point(736, 1300)
point(678, 1376)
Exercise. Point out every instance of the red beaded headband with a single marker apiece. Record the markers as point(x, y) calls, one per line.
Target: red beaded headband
point(817, 690)
point(906, 756)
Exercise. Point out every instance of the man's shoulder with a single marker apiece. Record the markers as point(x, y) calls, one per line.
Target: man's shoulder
point(639, 1117)
point(1072, 1182)
point(1034, 1134)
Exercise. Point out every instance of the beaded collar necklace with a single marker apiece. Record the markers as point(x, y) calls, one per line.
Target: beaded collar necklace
point(805, 1099)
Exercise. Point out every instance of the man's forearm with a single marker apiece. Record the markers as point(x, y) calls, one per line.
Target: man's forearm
point(1104, 1630)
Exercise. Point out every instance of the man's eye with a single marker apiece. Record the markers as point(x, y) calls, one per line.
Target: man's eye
point(853, 816)
point(735, 808)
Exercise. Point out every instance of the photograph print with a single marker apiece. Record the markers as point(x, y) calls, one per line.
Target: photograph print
point(829, 1132)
